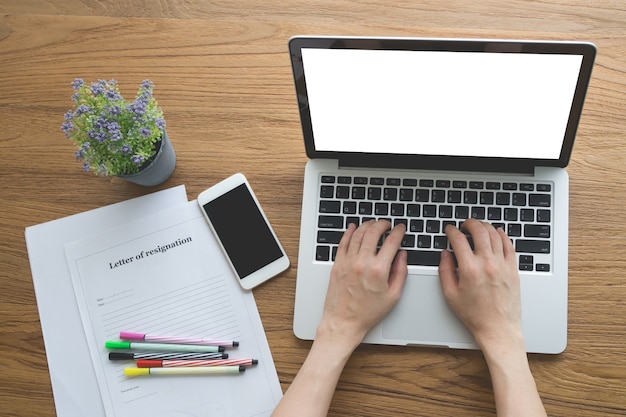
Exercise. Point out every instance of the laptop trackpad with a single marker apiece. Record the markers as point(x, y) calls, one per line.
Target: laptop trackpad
point(422, 316)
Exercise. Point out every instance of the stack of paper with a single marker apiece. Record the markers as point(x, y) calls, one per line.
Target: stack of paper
point(131, 267)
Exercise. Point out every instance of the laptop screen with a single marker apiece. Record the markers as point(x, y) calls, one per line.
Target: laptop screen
point(441, 98)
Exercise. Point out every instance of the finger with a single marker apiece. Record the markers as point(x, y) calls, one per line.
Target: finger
point(392, 243)
point(372, 236)
point(357, 237)
point(448, 276)
point(480, 235)
point(398, 274)
point(507, 246)
point(496, 240)
point(344, 243)
point(458, 242)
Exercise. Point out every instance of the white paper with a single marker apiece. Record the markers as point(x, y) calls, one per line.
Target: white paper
point(72, 376)
point(166, 275)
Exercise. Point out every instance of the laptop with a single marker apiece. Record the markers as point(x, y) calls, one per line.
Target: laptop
point(430, 132)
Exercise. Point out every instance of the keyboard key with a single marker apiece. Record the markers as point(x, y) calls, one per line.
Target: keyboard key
point(470, 197)
point(537, 230)
point(445, 212)
point(527, 187)
point(353, 220)
point(492, 185)
point(343, 191)
point(360, 180)
point(454, 196)
point(544, 187)
point(424, 241)
point(377, 181)
point(381, 209)
point(330, 222)
point(440, 242)
point(413, 210)
point(478, 213)
point(397, 209)
point(322, 253)
point(459, 184)
point(476, 185)
point(349, 207)
point(442, 184)
point(327, 191)
point(429, 210)
point(390, 194)
point(409, 182)
point(358, 193)
point(510, 214)
point(461, 212)
point(329, 236)
point(408, 241)
point(543, 216)
point(438, 196)
point(527, 215)
point(514, 230)
point(328, 179)
point(539, 200)
point(344, 180)
point(327, 206)
point(433, 226)
point(427, 183)
point(486, 197)
point(406, 194)
point(393, 181)
point(416, 226)
point(494, 213)
point(532, 246)
point(425, 258)
point(503, 199)
point(422, 195)
point(519, 199)
point(542, 267)
point(511, 186)
point(374, 193)
point(365, 208)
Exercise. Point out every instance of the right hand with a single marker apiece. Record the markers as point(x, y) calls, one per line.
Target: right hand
point(485, 291)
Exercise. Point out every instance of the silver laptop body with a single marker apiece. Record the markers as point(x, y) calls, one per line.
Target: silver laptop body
point(435, 131)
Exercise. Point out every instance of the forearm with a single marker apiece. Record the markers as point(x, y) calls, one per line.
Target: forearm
point(312, 390)
point(514, 387)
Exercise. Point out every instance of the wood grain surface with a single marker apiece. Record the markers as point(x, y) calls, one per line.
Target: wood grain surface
point(222, 75)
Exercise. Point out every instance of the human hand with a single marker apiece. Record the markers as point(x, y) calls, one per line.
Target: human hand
point(485, 292)
point(364, 284)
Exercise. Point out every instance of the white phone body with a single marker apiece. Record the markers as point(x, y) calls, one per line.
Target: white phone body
point(242, 231)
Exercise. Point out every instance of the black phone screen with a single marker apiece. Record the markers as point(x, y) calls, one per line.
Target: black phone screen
point(242, 230)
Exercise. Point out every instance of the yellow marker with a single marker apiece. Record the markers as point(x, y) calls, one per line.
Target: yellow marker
point(201, 370)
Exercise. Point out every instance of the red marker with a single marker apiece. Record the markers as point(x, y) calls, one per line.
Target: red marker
point(154, 363)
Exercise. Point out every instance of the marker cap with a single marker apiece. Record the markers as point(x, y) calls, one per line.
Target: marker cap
point(136, 371)
point(131, 336)
point(114, 344)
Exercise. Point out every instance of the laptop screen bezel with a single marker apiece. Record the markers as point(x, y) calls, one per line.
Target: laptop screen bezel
point(586, 50)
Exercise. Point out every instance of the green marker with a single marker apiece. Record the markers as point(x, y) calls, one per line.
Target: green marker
point(162, 347)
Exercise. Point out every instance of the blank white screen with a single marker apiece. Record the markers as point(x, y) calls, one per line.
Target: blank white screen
point(440, 103)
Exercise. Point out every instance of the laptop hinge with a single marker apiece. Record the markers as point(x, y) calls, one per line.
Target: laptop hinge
point(441, 164)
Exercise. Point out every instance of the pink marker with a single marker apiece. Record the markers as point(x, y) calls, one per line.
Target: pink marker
point(174, 339)
point(150, 363)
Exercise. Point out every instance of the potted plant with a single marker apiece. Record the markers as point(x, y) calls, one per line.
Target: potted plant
point(119, 138)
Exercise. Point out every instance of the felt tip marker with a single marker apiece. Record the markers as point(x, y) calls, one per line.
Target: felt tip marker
point(129, 356)
point(199, 370)
point(162, 347)
point(148, 363)
point(140, 337)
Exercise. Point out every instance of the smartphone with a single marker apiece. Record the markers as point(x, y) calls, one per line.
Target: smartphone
point(243, 232)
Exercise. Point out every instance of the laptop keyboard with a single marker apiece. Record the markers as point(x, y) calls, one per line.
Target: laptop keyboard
point(427, 205)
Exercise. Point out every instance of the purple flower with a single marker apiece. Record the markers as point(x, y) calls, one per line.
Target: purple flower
point(97, 89)
point(82, 109)
point(137, 159)
point(115, 111)
point(79, 154)
point(77, 83)
point(145, 132)
point(146, 85)
point(67, 127)
point(160, 123)
point(86, 167)
point(126, 149)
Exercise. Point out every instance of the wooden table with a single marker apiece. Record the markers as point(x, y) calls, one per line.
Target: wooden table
point(223, 78)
